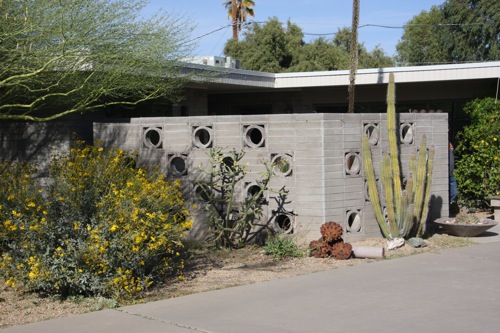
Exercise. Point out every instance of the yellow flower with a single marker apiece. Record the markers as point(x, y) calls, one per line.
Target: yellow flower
point(494, 139)
point(113, 227)
point(10, 282)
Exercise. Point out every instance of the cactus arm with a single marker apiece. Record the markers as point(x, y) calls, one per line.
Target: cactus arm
point(387, 172)
point(420, 179)
point(393, 144)
point(407, 219)
point(401, 218)
point(425, 210)
point(410, 187)
point(372, 188)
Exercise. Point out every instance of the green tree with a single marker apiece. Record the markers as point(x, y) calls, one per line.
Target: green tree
point(477, 167)
point(456, 31)
point(320, 55)
point(477, 39)
point(64, 57)
point(238, 11)
point(263, 49)
point(274, 48)
point(366, 59)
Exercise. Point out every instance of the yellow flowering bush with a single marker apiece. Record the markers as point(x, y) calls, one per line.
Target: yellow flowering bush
point(102, 227)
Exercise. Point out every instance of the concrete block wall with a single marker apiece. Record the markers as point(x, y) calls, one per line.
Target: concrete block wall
point(34, 142)
point(324, 177)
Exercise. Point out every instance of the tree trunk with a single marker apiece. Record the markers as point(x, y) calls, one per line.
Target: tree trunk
point(354, 53)
point(233, 15)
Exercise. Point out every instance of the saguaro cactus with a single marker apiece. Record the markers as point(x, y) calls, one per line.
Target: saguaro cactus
point(406, 208)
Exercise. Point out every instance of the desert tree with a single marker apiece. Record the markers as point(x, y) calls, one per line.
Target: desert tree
point(75, 56)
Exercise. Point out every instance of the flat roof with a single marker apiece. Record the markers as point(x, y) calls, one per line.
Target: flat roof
point(230, 78)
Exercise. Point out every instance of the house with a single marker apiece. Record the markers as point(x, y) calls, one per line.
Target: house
point(299, 118)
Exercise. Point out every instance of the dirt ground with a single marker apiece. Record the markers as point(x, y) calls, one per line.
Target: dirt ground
point(206, 270)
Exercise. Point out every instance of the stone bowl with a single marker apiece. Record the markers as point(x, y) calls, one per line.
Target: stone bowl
point(464, 230)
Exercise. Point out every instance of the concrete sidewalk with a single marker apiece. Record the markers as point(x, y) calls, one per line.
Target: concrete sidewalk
point(456, 290)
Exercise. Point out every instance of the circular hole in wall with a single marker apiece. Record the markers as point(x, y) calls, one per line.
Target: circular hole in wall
point(352, 164)
point(254, 190)
point(407, 133)
point(178, 165)
point(202, 192)
point(353, 221)
point(371, 131)
point(228, 162)
point(282, 164)
point(284, 223)
point(202, 137)
point(152, 137)
point(254, 136)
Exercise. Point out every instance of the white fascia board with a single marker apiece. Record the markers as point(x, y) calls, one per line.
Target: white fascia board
point(381, 75)
point(470, 71)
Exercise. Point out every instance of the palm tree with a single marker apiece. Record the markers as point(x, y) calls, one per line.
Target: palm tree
point(238, 10)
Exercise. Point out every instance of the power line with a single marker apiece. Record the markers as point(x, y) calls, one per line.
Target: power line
point(423, 25)
point(404, 27)
point(208, 33)
point(359, 27)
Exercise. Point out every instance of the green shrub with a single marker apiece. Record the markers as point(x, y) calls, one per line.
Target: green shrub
point(232, 222)
point(477, 167)
point(103, 227)
point(282, 246)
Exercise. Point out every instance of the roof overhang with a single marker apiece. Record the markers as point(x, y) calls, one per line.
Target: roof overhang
point(229, 79)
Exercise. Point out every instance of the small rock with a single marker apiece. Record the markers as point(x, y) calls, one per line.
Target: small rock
point(417, 242)
point(395, 243)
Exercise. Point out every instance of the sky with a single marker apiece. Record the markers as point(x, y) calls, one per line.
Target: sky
point(313, 16)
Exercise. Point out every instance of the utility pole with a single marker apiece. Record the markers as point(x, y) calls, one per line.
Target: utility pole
point(353, 53)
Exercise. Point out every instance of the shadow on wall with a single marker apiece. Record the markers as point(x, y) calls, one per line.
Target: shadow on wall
point(32, 142)
point(436, 205)
point(114, 135)
point(37, 142)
